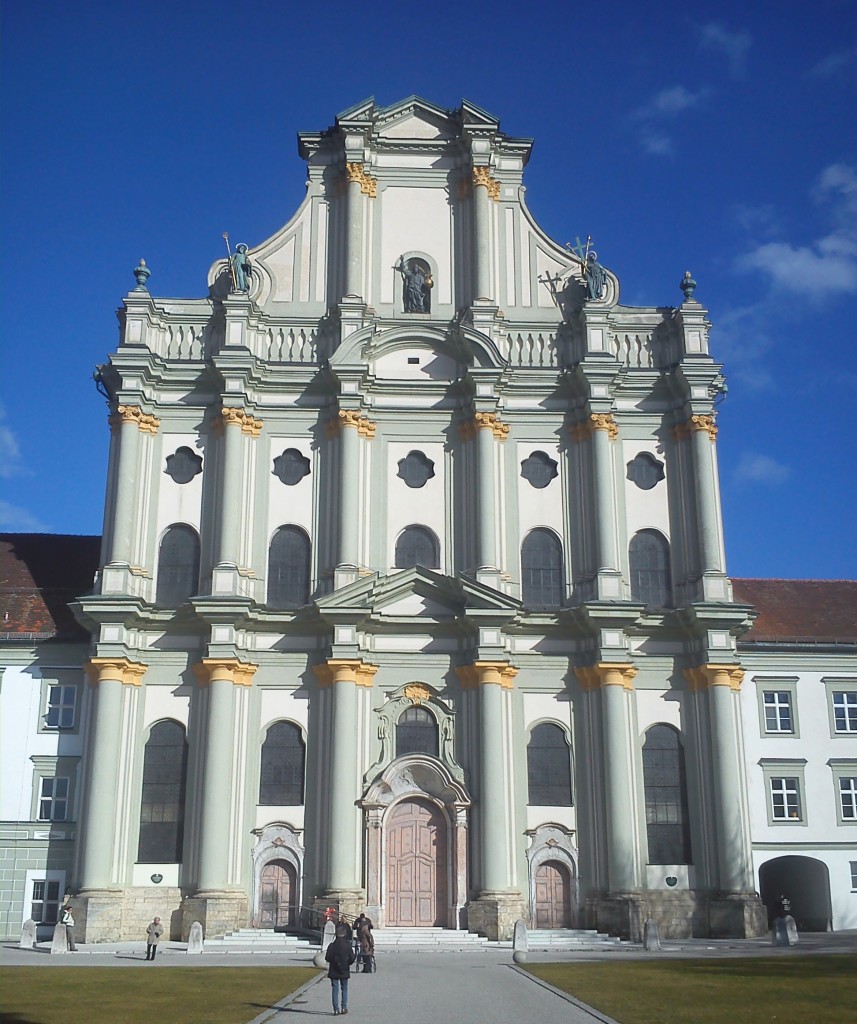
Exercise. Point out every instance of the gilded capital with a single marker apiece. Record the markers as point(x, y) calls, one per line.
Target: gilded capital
point(121, 670)
point(491, 421)
point(583, 429)
point(249, 425)
point(344, 670)
point(229, 670)
point(706, 423)
point(482, 176)
point(356, 172)
point(352, 418)
point(703, 677)
point(145, 422)
point(484, 673)
point(606, 673)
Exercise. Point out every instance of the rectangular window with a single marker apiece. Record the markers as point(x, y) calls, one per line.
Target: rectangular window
point(854, 874)
point(785, 799)
point(848, 798)
point(845, 711)
point(61, 704)
point(778, 711)
point(53, 799)
point(46, 900)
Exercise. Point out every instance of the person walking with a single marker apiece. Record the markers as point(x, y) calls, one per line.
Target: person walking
point(68, 920)
point(363, 931)
point(153, 937)
point(340, 956)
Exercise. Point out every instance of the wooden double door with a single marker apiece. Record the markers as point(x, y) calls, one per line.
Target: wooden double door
point(277, 895)
point(417, 866)
point(553, 896)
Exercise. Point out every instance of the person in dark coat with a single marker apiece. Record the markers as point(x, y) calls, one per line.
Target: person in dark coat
point(340, 956)
point(363, 931)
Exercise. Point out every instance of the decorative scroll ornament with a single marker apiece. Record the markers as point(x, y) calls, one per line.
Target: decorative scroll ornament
point(491, 421)
point(482, 176)
point(134, 414)
point(357, 173)
point(417, 693)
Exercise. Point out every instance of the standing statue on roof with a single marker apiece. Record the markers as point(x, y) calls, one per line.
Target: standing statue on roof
point(241, 268)
point(595, 275)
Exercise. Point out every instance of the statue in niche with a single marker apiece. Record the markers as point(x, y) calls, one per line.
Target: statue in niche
point(241, 268)
point(417, 285)
point(596, 276)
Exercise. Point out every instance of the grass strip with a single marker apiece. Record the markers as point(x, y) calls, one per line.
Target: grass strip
point(133, 995)
point(821, 989)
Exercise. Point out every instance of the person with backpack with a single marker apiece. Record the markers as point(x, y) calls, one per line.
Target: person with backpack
point(340, 956)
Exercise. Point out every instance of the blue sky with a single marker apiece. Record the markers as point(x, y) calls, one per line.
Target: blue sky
point(719, 138)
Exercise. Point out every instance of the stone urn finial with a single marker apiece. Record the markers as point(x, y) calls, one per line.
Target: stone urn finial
point(141, 273)
point(688, 286)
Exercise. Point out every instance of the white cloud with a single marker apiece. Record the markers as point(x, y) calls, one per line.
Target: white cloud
point(10, 451)
point(754, 468)
point(834, 63)
point(15, 519)
point(733, 46)
point(823, 267)
point(661, 109)
point(743, 339)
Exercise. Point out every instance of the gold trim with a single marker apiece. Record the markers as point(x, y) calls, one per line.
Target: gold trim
point(606, 673)
point(344, 670)
point(703, 677)
point(230, 417)
point(146, 423)
point(357, 173)
point(352, 418)
point(484, 673)
point(491, 421)
point(229, 670)
point(122, 670)
point(417, 693)
point(596, 421)
point(696, 424)
point(482, 176)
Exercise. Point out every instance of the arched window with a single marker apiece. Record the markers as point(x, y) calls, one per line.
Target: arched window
point(178, 566)
point(417, 545)
point(289, 568)
point(549, 767)
point(666, 797)
point(541, 570)
point(649, 558)
point(281, 777)
point(416, 732)
point(162, 803)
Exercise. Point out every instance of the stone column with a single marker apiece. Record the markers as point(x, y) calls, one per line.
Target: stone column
point(704, 433)
point(499, 903)
point(345, 817)
point(359, 184)
point(131, 420)
point(737, 911)
point(97, 847)
point(488, 427)
point(615, 680)
point(235, 423)
point(602, 430)
point(484, 189)
point(351, 427)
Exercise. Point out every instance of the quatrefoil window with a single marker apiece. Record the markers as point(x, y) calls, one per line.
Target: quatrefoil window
point(291, 467)
point(416, 469)
point(645, 471)
point(183, 465)
point(538, 469)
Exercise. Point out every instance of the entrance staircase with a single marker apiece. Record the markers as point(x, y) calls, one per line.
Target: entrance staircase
point(571, 938)
point(261, 939)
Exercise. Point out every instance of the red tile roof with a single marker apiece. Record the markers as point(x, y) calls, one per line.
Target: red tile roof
point(39, 574)
point(811, 611)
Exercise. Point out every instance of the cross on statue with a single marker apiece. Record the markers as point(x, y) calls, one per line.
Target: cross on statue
point(580, 250)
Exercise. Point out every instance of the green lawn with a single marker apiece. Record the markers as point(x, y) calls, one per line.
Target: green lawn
point(779, 989)
point(133, 995)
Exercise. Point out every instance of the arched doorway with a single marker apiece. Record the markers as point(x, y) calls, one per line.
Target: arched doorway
point(277, 895)
point(416, 865)
point(553, 896)
point(805, 882)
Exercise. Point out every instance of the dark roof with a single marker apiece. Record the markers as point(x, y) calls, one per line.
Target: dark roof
point(39, 574)
point(800, 611)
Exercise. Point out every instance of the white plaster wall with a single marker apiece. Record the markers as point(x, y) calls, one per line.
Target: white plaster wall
point(163, 702)
point(276, 704)
point(415, 219)
point(288, 505)
point(411, 506)
point(430, 365)
point(540, 507)
point(654, 709)
point(178, 503)
point(644, 510)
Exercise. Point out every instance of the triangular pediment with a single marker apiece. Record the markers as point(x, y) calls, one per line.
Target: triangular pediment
point(415, 118)
point(417, 593)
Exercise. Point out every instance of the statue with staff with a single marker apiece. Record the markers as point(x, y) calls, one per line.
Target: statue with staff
point(240, 267)
point(594, 275)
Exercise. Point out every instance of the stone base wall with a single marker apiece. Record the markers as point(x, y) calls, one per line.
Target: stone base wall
point(494, 914)
point(122, 915)
point(350, 902)
point(678, 915)
point(218, 913)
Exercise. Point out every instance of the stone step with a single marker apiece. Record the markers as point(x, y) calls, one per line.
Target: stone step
point(569, 937)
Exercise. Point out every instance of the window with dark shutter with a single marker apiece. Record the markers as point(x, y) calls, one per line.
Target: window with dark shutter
point(162, 804)
point(281, 775)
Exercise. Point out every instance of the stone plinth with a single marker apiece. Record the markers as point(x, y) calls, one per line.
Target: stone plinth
point(217, 913)
point(737, 916)
point(98, 915)
point(621, 914)
point(494, 914)
point(122, 915)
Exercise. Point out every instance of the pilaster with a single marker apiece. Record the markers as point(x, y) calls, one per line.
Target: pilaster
point(350, 425)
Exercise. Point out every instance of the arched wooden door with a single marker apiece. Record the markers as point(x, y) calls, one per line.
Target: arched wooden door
point(277, 895)
point(553, 895)
point(416, 866)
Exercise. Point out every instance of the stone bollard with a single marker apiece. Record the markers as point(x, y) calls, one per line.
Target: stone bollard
point(327, 937)
point(59, 943)
point(784, 932)
point(28, 934)
point(651, 936)
point(195, 939)
point(520, 944)
point(791, 930)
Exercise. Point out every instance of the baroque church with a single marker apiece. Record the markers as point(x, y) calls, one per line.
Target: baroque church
point(412, 593)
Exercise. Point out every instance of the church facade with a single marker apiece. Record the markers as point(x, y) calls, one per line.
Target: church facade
point(412, 593)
